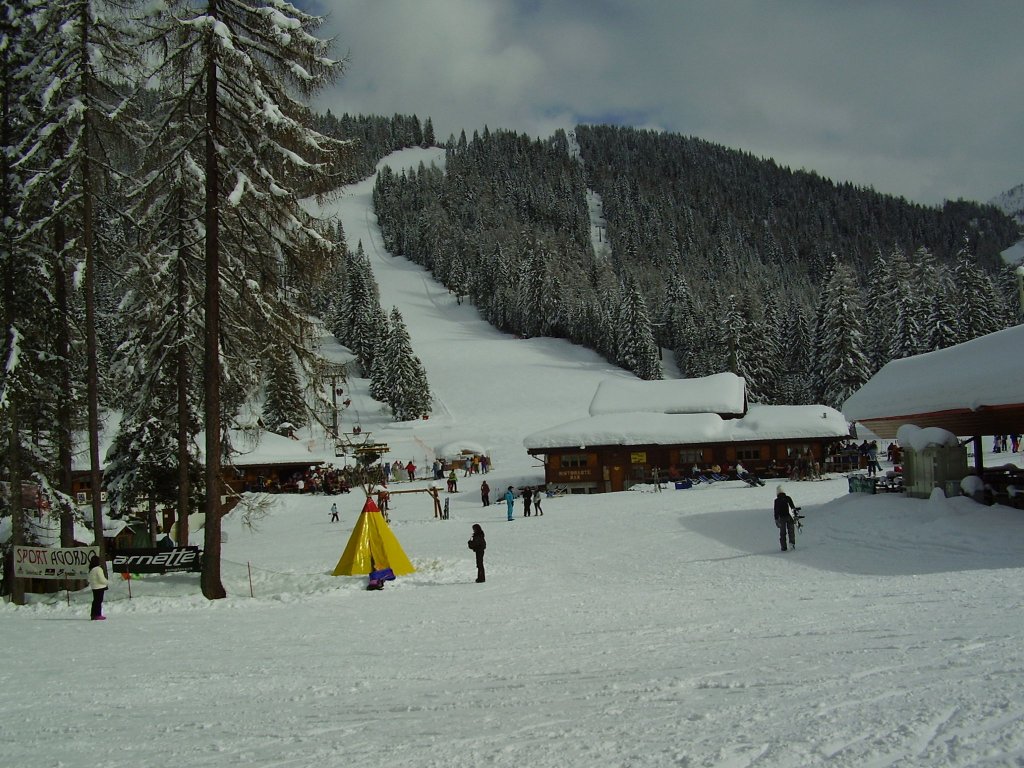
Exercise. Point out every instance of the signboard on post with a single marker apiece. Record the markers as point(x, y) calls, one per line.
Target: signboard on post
point(53, 562)
point(157, 560)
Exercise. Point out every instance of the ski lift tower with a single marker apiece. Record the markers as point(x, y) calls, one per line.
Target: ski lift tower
point(334, 362)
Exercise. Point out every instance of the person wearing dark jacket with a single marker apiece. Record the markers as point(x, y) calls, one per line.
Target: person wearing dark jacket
point(784, 520)
point(485, 493)
point(527, 498)
point(478, 544)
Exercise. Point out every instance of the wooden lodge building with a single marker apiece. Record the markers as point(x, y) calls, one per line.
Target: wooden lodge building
point(641, 430)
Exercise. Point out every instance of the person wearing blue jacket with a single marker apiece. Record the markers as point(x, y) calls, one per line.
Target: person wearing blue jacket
point(510, 500)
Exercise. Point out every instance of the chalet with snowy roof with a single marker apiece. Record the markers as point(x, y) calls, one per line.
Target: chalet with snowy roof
point(971, 389)
point(638, 430)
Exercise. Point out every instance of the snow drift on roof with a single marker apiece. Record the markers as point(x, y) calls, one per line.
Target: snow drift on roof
point(720, 393)
point(762, 422)
point(983, 372)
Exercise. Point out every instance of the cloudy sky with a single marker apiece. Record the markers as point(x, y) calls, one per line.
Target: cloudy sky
point(921, 99)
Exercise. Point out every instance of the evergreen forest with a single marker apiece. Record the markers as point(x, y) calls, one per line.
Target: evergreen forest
point(802, 286)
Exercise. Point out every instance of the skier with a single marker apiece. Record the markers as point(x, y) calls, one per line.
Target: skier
point(485, 493)
point(784, 521)
point(334, 512)
point(510, 501)
point(478, 544)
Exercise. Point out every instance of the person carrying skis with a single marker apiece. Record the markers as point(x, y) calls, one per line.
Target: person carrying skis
point(784, 520)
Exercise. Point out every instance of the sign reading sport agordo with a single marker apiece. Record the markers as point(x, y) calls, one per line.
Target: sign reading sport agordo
point(157, 560)
point(53, 563)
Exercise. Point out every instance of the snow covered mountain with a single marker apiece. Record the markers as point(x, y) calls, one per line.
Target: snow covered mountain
point(1011, 202)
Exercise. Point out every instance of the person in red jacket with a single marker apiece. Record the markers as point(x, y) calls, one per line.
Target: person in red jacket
point(411, 469)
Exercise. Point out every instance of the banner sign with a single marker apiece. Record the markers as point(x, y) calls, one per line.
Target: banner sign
point(157, 560)
point(53, 563)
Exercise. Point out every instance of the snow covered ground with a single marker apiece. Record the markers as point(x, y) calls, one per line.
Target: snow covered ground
point(633, 629)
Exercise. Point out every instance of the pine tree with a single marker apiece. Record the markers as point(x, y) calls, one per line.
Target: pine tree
point(82, 61)
point(236, 69)
point(408, 393)
point(22, 268)
point(797, 370)
point(284, 404)
point(841, 365)
point(942, 320)
point(981, 306)
point(636, 349)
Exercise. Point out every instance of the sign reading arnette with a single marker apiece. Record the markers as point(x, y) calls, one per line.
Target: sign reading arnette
point(157, 560)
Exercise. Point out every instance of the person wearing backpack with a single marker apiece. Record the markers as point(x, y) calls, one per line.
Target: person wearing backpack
point(784, 521)
point(478, 544)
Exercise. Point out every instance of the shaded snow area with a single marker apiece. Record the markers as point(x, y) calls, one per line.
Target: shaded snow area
point(633, 629)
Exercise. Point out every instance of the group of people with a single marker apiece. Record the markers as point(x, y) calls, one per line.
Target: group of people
point(392, 470)
point(471, 465)
point(532, 498)
point(1004, 443)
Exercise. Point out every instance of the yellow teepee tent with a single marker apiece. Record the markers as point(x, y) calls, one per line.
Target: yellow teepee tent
point(372, 540)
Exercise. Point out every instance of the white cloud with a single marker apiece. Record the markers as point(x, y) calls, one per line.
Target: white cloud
point(923, 105)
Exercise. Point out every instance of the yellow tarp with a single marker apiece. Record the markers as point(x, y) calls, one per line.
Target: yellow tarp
point(372, 539)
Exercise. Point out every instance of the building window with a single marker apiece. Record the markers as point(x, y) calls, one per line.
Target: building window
point(686, 457)
point(797, 450)
point(748, 454)
point(570, 460)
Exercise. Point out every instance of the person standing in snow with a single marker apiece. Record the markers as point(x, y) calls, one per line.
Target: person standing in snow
point(510, 502)
point(538, 493)
point(387, 472)
point(98, 582)
point(873, 459)
point(334, 512)
point(411, 469)
point(453, 482)
point(478, 544)
point(784, 508)
point(485, 493)
point(527, 498)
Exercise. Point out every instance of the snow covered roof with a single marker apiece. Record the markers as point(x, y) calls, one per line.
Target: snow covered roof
point(972, 388)
point(762, 422)
point(258, 447)
point(721, 393)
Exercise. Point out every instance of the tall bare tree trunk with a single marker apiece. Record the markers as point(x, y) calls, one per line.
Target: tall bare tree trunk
point(213, 589)
point(89, 287)
point(64, 404)
point(9, 340)
point(181, 307)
